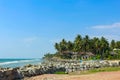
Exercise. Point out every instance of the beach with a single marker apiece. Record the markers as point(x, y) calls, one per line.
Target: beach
point(115, 75)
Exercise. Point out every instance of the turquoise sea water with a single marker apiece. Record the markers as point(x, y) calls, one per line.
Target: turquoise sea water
point(18, 62)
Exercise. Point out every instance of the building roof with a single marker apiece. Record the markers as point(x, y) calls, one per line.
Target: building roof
point(81, 53)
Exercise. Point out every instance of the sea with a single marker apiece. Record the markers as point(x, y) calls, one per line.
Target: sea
point(12, 63)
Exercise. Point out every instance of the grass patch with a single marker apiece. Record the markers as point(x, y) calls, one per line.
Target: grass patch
point(60, 72)
point(106, 69)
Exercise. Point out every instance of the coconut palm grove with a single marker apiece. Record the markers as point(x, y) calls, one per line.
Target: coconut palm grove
point(86, 48)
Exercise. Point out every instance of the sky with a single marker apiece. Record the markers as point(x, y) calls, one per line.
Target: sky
point(30, 28)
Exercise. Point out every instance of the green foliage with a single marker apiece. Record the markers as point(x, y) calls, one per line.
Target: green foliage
point(100, 47)
point(77, 44)
point(105, 69)
point(117, 45)
point(97, 56)
point(60, 72)
point(48, 56)
point(70, 46)
point(112, 45)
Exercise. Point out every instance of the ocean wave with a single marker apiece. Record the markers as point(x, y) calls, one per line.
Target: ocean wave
point(19, 61)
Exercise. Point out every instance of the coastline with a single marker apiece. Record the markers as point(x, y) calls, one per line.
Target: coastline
point(50, 67)
point(17, 62)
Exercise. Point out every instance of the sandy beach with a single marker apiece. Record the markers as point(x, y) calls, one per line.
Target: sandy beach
point(96, 76)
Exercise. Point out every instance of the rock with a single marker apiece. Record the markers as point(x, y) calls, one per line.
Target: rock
point(47, 68)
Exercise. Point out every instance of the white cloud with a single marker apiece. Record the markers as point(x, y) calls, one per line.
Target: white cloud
point(110, 31)
point(114, 25)
point(108, 37)
point(111, 37)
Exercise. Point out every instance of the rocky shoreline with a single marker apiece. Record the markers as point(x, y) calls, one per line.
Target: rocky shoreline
point(50, 67)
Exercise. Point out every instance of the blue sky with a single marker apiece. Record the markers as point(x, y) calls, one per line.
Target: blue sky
point(29, 28)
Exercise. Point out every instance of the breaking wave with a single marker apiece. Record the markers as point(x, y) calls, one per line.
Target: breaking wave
point(17, 63)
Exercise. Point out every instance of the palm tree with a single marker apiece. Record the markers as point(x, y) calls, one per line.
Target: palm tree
point(94, 45)
point(112, 45)
point(104, 46)
point(63, 45)
point(70, 46)
point(117, 45)
point(57, 47)
point(77, 44)
point(86, 43)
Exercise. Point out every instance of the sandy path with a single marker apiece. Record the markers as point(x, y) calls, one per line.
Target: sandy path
point(96, 76)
